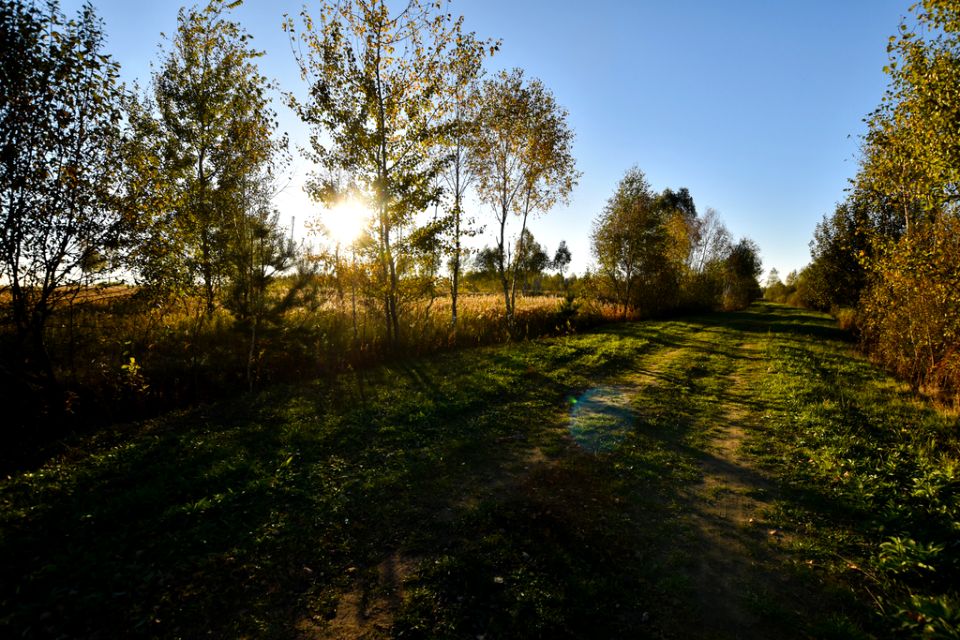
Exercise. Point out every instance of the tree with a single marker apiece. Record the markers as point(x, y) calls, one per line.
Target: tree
point(709, 247)
point(773, 279)
point(840, 249)
point(680, 230)
point(257, 254)
point(680, 201)
point(774, 289)
point(530, 259)
point(742, 268)
point(456, 143)
point(485, 262)
point(523, 161)
point(379, 94)
point(900, 256)
point(712, 242)
point(911, 309)
point(911, 161)
point(202, 152)
point(561, 260)
point(629, 241)
point(59, 133)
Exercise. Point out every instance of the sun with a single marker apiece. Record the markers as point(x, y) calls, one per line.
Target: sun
point(345, 222)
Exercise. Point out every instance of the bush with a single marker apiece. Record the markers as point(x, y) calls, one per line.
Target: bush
point(911, 309)
point(846, 318)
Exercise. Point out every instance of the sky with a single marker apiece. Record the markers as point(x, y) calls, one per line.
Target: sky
point(755, 106)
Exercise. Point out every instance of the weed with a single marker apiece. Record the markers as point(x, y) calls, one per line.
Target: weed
point(278, 511)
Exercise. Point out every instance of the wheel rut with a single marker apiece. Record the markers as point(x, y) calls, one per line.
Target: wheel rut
point(738, 575)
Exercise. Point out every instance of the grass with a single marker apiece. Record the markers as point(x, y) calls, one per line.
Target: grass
point(120, 356)
point(621, 483)
point(872, 480)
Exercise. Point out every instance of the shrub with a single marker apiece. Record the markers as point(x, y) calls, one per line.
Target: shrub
point(911, 309)
point(846, 318)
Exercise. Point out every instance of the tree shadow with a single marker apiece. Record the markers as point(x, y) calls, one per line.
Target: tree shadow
point(766, 318)
point(263, 515)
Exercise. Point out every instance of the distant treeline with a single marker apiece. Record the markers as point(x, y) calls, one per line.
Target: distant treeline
point(656, 255)
point(887, 261)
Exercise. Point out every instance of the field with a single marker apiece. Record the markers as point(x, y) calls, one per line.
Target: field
point(120, 356)
point(737, 475)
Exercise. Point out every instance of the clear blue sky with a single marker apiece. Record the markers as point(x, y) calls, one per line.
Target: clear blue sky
point(753, 105)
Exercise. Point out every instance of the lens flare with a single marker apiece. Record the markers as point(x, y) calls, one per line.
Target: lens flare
point(600, 418)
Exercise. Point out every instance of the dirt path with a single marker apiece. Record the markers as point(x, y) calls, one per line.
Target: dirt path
point(600, 485)
point(724, 573)
point(738, 571)
point(727, 510)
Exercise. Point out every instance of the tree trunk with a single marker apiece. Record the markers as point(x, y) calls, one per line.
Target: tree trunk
point(516, 264)
point(207, 274)
point(390, 267)
point(502, 268)
point(454, 291)
point(353, 296)
point(390, 295)
point(206, 251)
point(457, 201)
point(455, 279)
point(251, 354)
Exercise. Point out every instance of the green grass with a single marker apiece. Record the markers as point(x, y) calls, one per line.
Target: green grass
point(872, 479)
point(542, 489)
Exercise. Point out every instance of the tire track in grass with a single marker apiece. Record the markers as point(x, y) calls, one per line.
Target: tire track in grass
point(717, 568)
point(651, 456)
point(723, 576)
point(449, 497)
point(736, 579)
point(689, 398)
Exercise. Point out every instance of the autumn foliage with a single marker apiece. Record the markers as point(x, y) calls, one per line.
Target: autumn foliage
point(891, 251)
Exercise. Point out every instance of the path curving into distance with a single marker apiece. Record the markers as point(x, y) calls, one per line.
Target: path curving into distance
point(688, 478)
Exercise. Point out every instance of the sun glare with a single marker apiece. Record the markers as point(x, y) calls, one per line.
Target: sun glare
point(346, 221)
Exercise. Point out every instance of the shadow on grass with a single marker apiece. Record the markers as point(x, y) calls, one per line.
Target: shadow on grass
point(445, 489)
point(784, 321)
point(597, 541)
point(247, 517)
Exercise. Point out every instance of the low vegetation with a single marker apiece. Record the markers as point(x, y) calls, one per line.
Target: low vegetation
point(211, 430)
point(602, 484)
point(118, 355)
point(887, 259)
point(166, 191)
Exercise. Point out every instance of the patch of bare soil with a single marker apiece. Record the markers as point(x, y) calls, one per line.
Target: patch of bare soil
point(366, 611)
point(739, 576)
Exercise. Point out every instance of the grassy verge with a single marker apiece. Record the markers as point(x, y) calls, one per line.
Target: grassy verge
point(545, 489)
point(120, 356)
point(871, 476)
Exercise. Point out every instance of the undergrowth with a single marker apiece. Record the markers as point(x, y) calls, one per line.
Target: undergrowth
point(873, 476)
point(539, 489)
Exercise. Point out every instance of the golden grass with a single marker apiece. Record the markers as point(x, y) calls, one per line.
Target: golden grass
point(180, 354)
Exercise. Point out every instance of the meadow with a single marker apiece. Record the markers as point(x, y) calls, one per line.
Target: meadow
point(119, 354)
point(263, 439)
point(741, 474)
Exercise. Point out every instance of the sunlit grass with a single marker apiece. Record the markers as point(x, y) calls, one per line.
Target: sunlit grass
point(120, 354)
point(450, 493)
point(872, 473)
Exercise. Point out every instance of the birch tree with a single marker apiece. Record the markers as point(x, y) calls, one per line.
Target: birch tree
point(378, 95)
point(523, 161)
point(457, 144)
point(202, 150)
point(628, 238)
point(59, 133)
